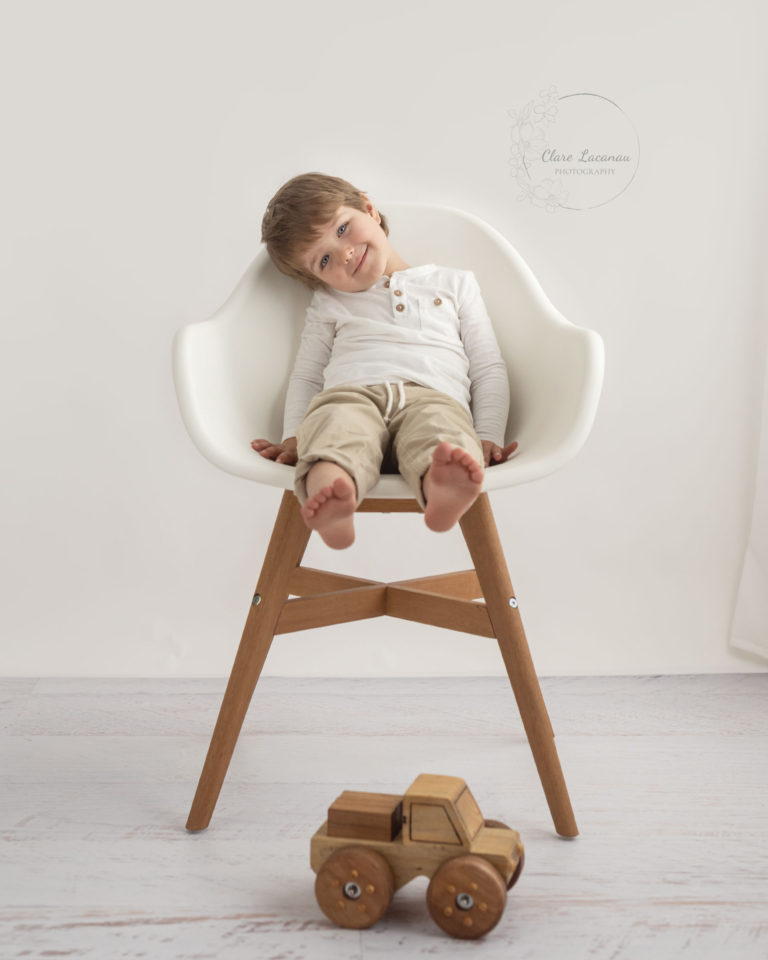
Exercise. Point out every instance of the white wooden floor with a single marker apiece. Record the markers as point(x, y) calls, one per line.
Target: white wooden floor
point(668, 777)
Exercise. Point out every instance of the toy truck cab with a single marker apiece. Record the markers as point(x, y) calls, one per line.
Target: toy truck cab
point(440, 810)
point(436, 830)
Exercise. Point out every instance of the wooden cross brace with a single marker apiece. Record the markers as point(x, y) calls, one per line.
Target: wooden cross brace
point(324, 598)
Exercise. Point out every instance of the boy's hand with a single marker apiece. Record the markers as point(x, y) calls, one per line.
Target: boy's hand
point(284, 452)
point(493, 453)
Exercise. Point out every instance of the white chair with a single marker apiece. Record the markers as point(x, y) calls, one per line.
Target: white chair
point(231, 373)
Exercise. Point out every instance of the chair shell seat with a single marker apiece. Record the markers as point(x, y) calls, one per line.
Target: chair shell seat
point(231, 371)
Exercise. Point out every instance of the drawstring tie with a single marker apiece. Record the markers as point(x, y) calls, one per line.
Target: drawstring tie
point(389, 412)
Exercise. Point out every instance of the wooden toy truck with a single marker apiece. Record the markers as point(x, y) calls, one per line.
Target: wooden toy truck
point(374, 843)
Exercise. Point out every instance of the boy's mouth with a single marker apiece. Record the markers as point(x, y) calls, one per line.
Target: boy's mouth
point(360, 261)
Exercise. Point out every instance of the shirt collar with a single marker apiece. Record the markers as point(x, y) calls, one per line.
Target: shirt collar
point(410, 272)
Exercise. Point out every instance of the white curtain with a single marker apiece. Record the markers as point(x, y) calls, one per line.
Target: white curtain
point(749, 630)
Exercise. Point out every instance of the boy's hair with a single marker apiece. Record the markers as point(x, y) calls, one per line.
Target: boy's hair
point(296, 215)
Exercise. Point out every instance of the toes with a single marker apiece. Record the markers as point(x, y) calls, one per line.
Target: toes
point(443, 452)
point(321, 496)
point(459, 457)
point(340, 489)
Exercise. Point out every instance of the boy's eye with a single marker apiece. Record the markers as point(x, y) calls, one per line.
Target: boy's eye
point(339, 232)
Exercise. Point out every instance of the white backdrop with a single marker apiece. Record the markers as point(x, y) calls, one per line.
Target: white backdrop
point(141, 143)
point(749, 630)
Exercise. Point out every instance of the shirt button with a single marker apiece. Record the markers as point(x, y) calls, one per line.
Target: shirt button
point(386, 283)
point(437, 301)
point(398, 293)
point(400, 307)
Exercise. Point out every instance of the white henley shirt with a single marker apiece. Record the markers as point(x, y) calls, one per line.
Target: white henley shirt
point(426, 325)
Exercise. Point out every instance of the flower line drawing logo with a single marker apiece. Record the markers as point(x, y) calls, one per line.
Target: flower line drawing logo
point(551, 158)
point(529, 141)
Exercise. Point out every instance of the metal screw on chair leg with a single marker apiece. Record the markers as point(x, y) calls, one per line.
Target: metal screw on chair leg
point(256, 599)
point(513, 603)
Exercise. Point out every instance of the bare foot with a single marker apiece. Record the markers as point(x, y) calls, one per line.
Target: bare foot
point(330, 511)
point(451, 486)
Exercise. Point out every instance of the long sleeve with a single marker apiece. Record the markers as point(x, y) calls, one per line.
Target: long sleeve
point(489, 383)
point(307, 377)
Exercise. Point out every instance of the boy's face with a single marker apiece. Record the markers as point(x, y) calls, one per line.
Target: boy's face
point(352, 252)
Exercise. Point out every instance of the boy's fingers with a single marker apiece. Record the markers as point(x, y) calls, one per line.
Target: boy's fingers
point(510, 448)
point(499, 454)
point(269, 452)
point(273, 451)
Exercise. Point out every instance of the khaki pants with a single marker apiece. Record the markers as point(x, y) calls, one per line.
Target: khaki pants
point(397, 426)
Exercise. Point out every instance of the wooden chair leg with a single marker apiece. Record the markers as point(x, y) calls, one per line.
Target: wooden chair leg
point(481, 535)
point(284, 553)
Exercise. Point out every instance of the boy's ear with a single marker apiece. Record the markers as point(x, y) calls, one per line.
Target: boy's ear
point(371, 210)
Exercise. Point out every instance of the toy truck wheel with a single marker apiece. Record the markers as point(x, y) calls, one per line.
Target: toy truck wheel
point(520, 863)
point(518, 870)
point(354, 887)
point(466, 897)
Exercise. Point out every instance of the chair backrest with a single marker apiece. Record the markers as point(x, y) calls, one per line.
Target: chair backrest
point(231, 371)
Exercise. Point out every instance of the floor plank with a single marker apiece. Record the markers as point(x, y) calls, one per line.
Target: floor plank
point(668, 776)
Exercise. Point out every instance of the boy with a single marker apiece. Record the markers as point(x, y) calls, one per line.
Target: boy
point(390, 360)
